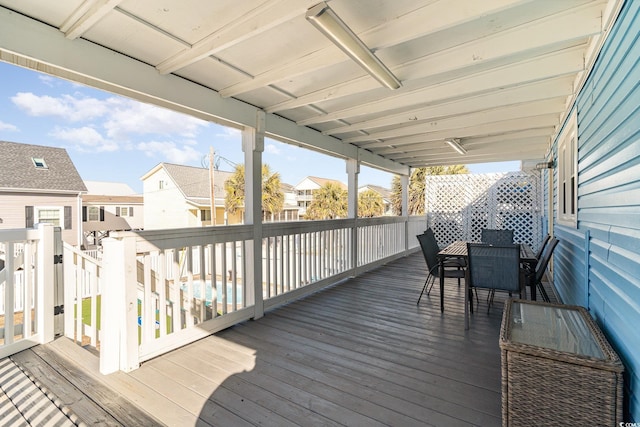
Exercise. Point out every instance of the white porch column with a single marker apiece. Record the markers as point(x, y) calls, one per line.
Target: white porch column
point(404, 184)
point(253, 146)
point(353, 169)
point(119, 312)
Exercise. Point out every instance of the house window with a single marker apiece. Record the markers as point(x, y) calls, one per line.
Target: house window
point(568, 173)
point(58, 216)
point(160, 184)
point(39, 163)
point(93, 213)
point(205, 215)
point(48, 215)
point(124, 211)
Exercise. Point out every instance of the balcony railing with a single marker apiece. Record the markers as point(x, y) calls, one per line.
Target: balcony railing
point(163, 289)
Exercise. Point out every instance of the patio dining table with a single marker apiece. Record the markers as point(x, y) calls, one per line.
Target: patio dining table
point(458, 249)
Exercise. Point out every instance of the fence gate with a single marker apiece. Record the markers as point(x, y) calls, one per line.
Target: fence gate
point(460, 206)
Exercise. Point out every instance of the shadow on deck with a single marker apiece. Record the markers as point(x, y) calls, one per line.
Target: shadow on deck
point(360, 353)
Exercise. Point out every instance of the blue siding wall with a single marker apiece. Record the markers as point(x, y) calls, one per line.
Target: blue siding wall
point(607, 281)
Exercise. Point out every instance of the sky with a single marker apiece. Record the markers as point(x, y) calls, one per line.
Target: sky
point(116, 139)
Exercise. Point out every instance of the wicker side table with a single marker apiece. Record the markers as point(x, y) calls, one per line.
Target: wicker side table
point(557, 368)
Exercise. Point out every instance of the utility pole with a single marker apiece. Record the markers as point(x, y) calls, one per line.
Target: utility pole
point(211, 182)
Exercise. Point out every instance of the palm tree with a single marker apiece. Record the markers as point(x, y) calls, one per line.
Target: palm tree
point(272, 195)
point(329, 202)
point(417, 183)
point(370, 204)
point(234, 190)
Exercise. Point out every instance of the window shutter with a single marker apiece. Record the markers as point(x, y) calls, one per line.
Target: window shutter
point(84, 214)
point(28, 213)
point(130, 210)
point(101, 213)
point(117, 210)
point(67, 218)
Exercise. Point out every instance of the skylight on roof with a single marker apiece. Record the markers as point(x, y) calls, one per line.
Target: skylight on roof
point(39, 163)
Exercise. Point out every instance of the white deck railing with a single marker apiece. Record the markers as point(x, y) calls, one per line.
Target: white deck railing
point(82, 273)
point(166, 288)
point(26, 288)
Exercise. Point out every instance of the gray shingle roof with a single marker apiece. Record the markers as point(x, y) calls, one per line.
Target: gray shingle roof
point(18, 171)
point(194, 181)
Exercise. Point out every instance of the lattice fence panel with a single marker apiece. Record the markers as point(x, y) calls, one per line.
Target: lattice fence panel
point(460, 206)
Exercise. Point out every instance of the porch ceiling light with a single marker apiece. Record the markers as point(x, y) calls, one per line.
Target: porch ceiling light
point(330, 24)
point(455, 144)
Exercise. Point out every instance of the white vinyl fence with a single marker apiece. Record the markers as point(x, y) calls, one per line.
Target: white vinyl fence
point(26, 288)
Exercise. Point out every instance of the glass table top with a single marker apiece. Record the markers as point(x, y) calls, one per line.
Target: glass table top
point(554, 328)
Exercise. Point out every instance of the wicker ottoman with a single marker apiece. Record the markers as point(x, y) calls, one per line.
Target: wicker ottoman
point(557, 368)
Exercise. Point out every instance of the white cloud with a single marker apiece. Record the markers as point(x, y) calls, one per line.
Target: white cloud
point(272, 149)
point(228, 133)
point(84, 139)
point(128, 117)
point(47, 80)
point(170, 151)
point(8, 126)
point(68, 107)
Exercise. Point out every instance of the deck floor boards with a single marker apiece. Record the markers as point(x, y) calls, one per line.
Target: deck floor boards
point(358, 353)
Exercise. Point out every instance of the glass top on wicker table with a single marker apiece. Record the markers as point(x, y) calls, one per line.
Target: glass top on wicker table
point(554, 328)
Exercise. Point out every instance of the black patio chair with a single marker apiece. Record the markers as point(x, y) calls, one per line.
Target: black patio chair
point(453, 268)
point(534, 278)
point(492, 236)
point(543, 245)
point(494, 267)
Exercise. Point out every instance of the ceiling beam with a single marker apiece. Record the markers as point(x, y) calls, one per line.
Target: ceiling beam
point(86, 16)
point(517, 111)
point(495, 128)
point(257, 21)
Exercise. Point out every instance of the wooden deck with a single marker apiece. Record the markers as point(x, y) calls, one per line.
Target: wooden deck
point(360, 353)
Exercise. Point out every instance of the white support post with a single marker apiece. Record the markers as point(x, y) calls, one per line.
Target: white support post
point(119, 313)
point(353, 169)
point(45, 283)
point(253, 146)
point(404, 184)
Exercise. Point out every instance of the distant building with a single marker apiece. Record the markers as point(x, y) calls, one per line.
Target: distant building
point(290, 210)
point(109, 206)
point(385, 193)
point(40, 184)
point(177, 196)
point(306, 187)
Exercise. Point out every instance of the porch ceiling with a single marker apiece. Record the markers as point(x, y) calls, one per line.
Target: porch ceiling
point(495, 74)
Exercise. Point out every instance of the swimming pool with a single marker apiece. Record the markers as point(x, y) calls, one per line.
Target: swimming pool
point(209, 292)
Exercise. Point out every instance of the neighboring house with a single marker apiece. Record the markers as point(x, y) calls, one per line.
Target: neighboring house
point(40, 184)
point(383, 192)
point(305, 189)
point(109, 206)
point(177, 196)
point(290, 210)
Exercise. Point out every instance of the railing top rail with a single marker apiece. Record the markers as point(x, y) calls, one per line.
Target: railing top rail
point(19, 235)
point(271, 229)
point(81, 254)
point(153, 240)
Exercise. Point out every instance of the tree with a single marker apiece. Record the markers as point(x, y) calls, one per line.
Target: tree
point(329, 202)
point(370, 204)
point(272, 195)
point(417, 183)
